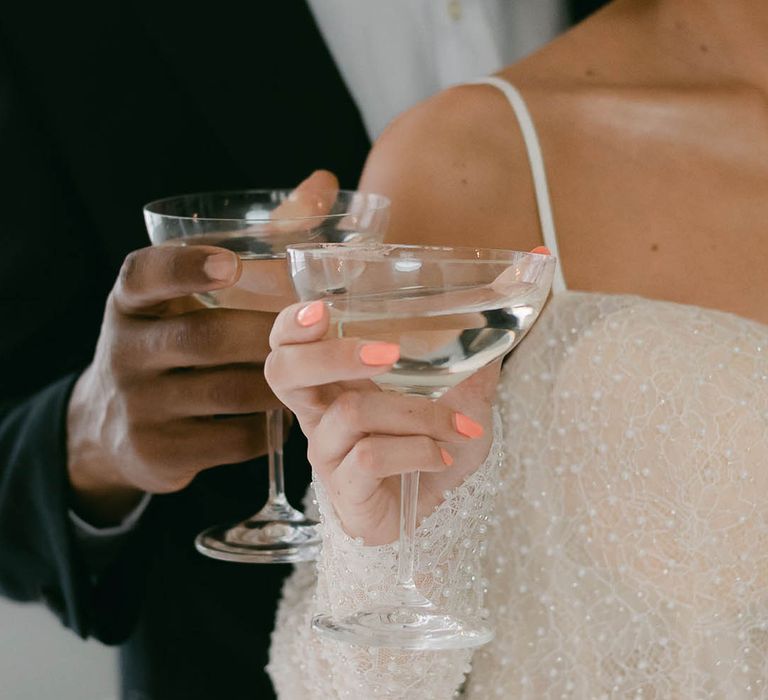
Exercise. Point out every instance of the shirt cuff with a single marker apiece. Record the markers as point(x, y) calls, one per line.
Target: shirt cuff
point(85, 532)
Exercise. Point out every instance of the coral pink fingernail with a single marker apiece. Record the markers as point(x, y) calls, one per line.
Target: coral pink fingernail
point(310, 314)
point(542, 250)
point(447, 459)
point(380, 353)
point(466, 426)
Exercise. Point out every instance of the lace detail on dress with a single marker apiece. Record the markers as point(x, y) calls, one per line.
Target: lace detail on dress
point(632, 558)
point(450, 544)
point(628, 550)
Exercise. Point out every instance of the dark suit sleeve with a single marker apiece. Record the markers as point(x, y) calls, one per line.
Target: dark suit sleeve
point(53, 283)
point(102, 110)
point(39, 556)
point(37, 559)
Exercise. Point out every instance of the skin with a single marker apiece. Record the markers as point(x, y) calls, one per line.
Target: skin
point(653, 120)
point(360, 438)
point(173, 388)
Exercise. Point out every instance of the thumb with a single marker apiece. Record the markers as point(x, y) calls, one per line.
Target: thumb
point(314, 196)
point(152, 276)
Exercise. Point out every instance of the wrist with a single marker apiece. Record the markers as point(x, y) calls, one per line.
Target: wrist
point(99, 492)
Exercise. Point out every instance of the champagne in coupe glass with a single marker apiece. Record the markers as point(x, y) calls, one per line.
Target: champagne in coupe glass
point(258, 225)
point(452, 311)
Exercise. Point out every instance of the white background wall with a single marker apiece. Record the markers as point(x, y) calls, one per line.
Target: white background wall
point(42, 660)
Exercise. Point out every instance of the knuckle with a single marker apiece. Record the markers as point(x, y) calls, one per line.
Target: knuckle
point(315, 455)
point(183, 335)
point(111, 310)
point(282, 325)
point(424, 447)
point(272, 369)
point(348, 407)
point(154, 343)
point(119, 347)
point(129, 271)
point(364, 455)
point(196, 336)
point(276, 331)
point(259, 348)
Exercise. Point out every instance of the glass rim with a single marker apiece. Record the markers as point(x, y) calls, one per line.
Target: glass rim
point(359, 250)
point(383, 203)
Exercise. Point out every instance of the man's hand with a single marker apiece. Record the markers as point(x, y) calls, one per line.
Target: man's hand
point(172, 389)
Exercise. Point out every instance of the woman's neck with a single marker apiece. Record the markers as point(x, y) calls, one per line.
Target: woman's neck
point(724, 39)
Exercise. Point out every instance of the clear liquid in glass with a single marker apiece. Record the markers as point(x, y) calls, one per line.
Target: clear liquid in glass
point(444, 337)
point(264, 285)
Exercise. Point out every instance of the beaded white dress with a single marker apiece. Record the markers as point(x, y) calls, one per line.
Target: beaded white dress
point(616, 537)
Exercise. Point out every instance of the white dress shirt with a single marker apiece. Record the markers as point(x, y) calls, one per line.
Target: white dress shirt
point(394, 53)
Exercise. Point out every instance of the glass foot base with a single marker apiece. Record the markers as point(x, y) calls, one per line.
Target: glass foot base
point(262, 541)
point(403, 628)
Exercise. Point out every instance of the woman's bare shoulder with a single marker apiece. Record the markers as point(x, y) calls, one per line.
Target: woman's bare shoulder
point(456, 165)
point(456, 170)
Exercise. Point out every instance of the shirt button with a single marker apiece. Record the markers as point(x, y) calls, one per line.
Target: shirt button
point(454, 9)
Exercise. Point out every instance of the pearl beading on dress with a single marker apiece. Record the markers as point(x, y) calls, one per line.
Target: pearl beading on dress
point(622, 539)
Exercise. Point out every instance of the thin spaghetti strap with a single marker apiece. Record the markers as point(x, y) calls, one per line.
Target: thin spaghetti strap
point(543, 202)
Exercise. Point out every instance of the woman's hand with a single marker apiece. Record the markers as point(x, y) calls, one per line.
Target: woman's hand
point(361, 438)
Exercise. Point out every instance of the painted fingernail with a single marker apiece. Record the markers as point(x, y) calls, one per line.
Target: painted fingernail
point(447, 459)
point(466, 426)
point(380, 353)
point(220, 267)
point(542, 250)
point(310, 314)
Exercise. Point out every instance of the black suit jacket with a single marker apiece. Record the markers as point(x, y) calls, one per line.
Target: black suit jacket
point(103, 108)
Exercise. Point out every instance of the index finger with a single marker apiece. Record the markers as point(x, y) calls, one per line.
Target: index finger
point(300, 323)
point(151, 277)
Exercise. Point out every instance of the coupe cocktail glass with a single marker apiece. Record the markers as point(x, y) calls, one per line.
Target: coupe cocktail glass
point(258, 225)
point(452, 311)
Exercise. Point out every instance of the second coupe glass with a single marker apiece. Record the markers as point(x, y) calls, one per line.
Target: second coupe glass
point(258, 225)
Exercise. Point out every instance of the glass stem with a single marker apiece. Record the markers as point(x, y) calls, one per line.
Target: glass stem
point(275, 446)
point(409, 498)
